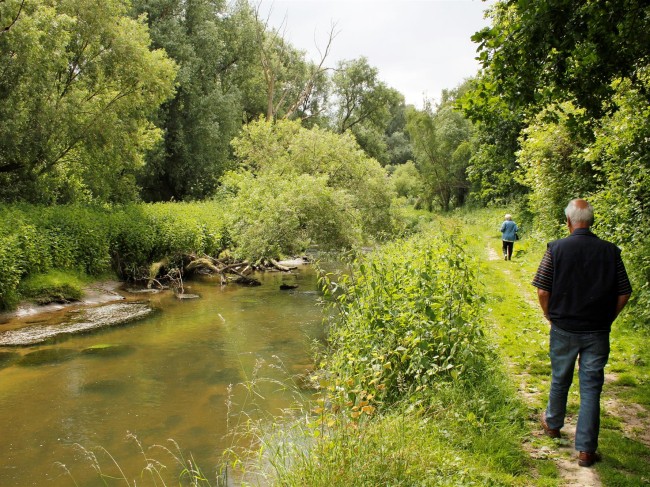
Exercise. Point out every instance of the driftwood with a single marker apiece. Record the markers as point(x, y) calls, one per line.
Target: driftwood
point(216, 266)
point(228, 271)
point(281, 267)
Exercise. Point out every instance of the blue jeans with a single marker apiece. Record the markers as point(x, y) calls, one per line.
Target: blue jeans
point(592, 351)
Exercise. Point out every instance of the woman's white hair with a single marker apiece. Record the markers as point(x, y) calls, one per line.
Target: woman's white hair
point(579, 214)
point(508, 216)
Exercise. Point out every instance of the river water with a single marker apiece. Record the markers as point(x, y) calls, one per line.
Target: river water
point(167, 376)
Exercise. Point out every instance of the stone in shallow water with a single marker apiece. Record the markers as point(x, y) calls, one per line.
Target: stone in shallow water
point(108, 350)
point(83, 321)
point(7, 358)
point(187, 296)
point(106, 386)
point(47, 356)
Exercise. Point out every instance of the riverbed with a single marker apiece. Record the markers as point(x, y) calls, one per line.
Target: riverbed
point(176, 374)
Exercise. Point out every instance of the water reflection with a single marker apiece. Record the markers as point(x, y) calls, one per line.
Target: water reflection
point(164, 377)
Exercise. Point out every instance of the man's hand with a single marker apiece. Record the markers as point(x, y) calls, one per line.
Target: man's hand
point(544, 297)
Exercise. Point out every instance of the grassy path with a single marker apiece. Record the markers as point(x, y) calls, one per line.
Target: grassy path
point(521, 334)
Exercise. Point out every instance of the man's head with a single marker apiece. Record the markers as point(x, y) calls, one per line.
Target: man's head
point(579, 214)
point(508, 217)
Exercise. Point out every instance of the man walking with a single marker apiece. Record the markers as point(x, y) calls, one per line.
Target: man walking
point(582, 286)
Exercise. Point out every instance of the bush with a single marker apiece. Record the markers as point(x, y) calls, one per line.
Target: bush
point(92, 241)
point(408, 317)
point(279, 163)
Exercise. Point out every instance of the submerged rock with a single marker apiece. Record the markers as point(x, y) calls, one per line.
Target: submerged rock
point(6, 358)
point(85, 320)
point(47, 356)
point(106, 349)
point(187, 296)
point(106, 386)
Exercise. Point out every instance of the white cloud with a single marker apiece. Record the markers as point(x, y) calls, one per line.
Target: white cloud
point(420, 47)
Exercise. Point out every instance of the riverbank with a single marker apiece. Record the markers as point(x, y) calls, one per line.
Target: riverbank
point(104, 303)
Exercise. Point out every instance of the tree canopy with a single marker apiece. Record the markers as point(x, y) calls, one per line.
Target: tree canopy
point(77, 84)
point(539, 52)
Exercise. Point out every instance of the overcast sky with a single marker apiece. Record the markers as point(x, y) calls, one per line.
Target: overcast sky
point(419, 47)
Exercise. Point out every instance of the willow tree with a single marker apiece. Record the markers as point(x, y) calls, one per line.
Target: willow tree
point(78, 82)
point(441, 144)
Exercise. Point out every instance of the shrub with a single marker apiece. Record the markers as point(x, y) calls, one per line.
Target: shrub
point(408, 317)
point(285, 160)
point(35, 240)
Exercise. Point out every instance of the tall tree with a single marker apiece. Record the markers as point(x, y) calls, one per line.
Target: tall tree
point(542, 51)
point(78, 81)
point(364, 105)
point(206, 113)
point(441, 145)
point(497, 125)
point(294, 86)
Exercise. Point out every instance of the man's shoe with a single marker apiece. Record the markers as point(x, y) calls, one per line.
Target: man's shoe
point(553, 433)
point(587, 459)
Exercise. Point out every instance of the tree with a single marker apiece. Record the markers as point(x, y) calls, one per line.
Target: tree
point(360, 96)
point(364, 105)
point(552, 165)
point(321, 186)
point(542, 51)
point(497, 126)
point(440, 140)
point(407, 180)
point(206, 111)
point(77, 84)
point(294, 86)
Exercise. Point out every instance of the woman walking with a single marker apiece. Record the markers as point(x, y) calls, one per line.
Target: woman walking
point(508, 231)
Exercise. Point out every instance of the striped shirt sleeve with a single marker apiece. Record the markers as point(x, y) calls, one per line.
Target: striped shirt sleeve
point(623, 282)
point(544, 277)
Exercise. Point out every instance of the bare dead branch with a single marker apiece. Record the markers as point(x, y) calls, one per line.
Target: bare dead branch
point(14, 20)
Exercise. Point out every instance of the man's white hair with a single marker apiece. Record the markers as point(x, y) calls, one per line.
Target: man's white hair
point(579, 215)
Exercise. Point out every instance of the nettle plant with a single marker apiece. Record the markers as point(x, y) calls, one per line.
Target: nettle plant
point(406, 317)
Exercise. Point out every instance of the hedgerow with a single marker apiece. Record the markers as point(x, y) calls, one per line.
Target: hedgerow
point(98, 240)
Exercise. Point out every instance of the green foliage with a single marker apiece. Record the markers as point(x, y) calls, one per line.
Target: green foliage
point(442, 151)
point(205, 113)
point(453, 435)
point(622, 153)
point(407, 180)
point(547, 51)
point(370, 109)
point(298, 187)
point(274, 216)
point(408, 317)
point(35, 240)
point(553, 167)
point(78, 85)
point(497, 127)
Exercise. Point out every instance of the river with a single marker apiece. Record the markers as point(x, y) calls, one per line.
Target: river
point(166, 377)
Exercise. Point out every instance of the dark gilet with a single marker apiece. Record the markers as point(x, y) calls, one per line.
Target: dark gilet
point(584, 282)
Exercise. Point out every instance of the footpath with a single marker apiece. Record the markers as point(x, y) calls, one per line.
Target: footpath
point(518, 328)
